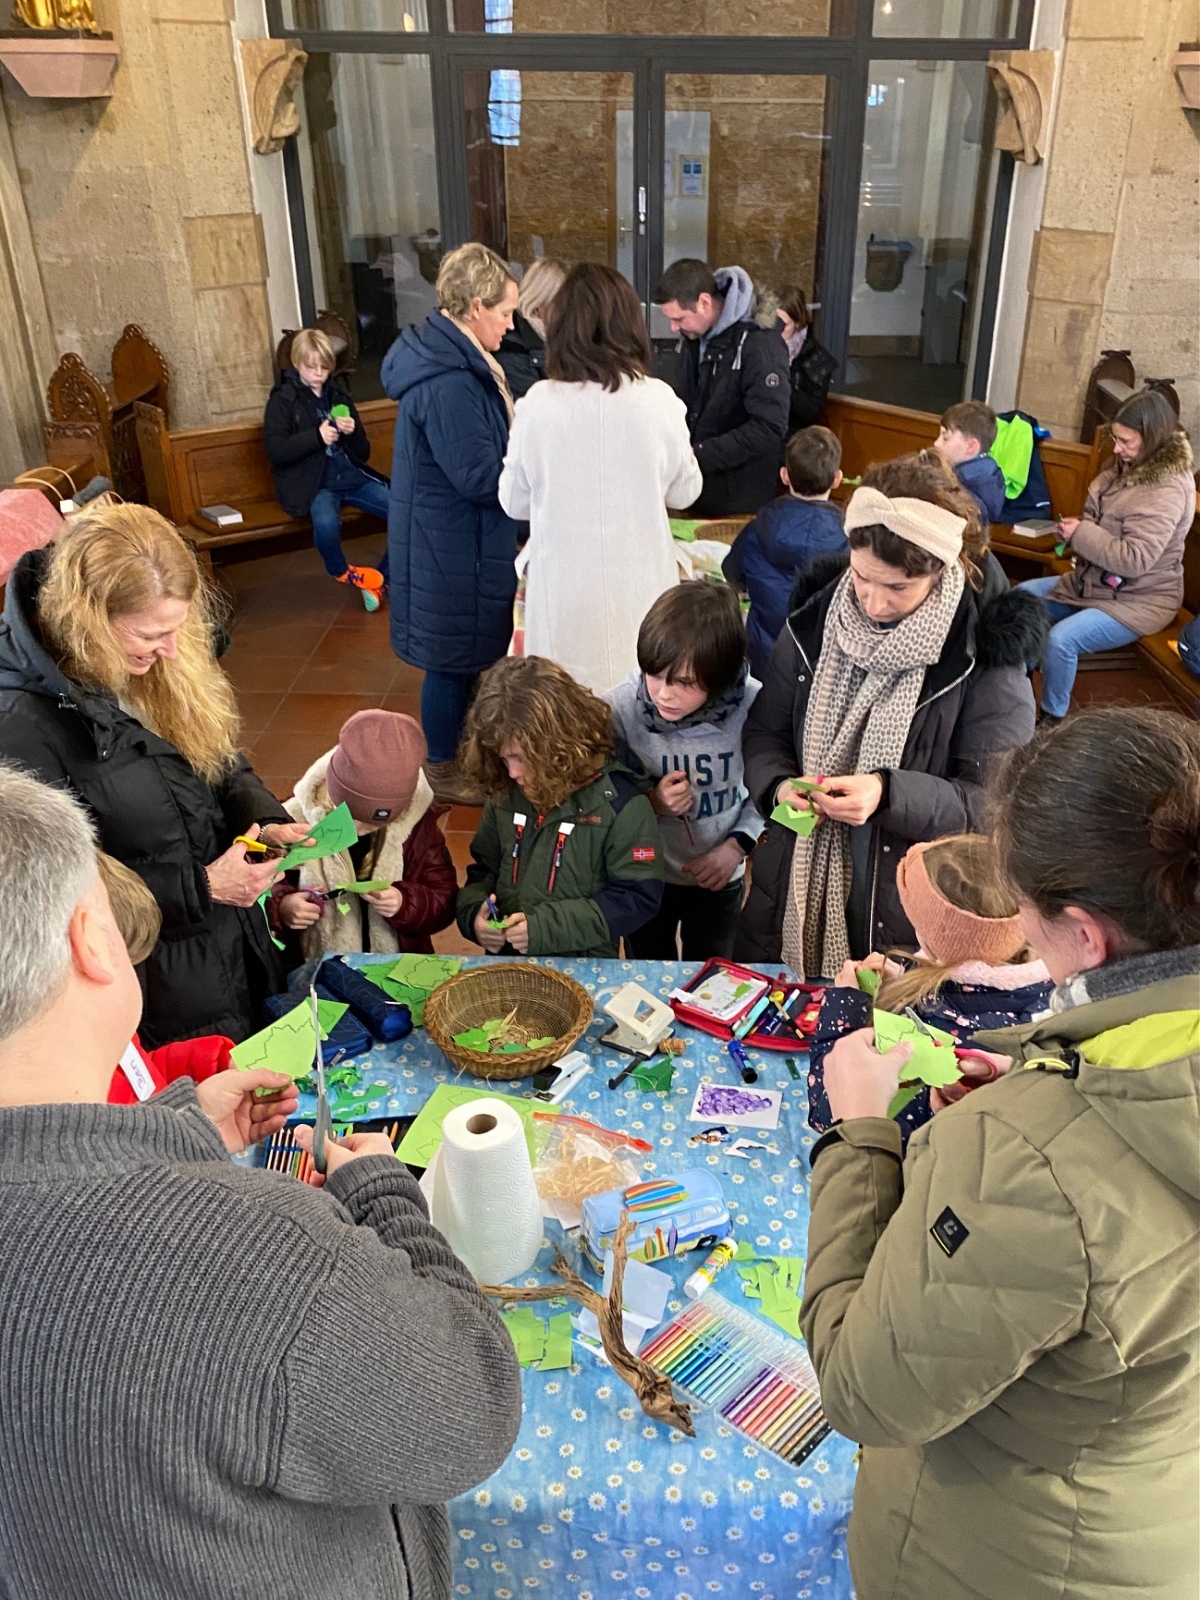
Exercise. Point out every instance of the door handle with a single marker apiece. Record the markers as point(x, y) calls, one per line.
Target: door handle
point(641, 208)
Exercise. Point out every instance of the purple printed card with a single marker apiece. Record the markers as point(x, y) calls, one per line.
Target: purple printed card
point(737, 1105)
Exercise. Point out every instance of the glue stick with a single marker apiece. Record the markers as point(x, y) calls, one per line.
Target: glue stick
point(703, 1276)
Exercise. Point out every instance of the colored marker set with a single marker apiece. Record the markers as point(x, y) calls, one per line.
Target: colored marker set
point(281, 1153)
point(758, 1380)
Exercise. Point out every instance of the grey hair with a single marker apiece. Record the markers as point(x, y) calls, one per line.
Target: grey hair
point(47, 862)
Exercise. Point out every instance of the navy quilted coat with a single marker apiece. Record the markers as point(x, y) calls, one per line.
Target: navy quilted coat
point(450, 547)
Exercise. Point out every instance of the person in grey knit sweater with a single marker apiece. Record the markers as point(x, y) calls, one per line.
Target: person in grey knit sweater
point(178, 1334)
point(680, 719)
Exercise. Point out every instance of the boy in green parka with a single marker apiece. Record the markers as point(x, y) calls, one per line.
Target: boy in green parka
point(566, 857)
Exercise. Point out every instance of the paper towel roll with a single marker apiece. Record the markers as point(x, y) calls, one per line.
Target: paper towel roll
point(484, 1197)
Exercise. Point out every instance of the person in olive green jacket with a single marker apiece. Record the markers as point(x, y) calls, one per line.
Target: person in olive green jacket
point(1008, 1321)
point(566, 856)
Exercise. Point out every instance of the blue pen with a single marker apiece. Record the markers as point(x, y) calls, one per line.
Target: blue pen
point(738, 1053)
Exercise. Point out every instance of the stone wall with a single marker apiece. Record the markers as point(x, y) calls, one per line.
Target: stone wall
point(1116, 263)
point(140, 209)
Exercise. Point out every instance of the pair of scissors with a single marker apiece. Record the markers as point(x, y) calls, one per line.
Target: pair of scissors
point(323, 1127)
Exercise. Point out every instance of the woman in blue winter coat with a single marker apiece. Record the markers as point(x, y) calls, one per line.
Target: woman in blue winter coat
point(450, 546)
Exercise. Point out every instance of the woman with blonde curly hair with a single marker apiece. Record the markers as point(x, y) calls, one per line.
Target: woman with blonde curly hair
point(109, 688)
point(566, 858)
point(450, 546)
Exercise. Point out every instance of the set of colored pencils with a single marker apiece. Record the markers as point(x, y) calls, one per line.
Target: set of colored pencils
point(757, 1378)
point(282, 1154)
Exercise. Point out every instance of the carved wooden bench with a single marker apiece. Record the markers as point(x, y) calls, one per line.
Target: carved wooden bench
point(81, 407)
point(194, 467)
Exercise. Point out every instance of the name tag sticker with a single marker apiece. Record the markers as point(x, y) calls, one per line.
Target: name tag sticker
point(138, 1073)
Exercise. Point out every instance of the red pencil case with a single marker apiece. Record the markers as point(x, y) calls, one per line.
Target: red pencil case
point(803, 1017)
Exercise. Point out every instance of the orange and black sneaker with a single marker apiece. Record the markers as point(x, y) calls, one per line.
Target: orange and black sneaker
point(368, 581)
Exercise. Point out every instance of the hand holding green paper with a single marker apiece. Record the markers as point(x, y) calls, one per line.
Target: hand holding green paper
point(802, 818)
point(335, 832)
point(933, 1062)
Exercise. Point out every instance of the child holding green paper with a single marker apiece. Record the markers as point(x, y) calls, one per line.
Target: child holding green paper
point(391, 884)
point(972, 971)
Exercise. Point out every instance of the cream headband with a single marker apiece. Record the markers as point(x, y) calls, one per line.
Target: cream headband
point(920, 522)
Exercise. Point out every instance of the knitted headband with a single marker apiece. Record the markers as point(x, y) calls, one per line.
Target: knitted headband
point(947, 933)
point(919, 521)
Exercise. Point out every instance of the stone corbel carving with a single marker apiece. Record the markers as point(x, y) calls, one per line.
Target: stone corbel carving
point(1024, 82)
point(272, 69)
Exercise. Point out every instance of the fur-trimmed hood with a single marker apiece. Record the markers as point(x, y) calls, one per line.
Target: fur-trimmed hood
point(1010, 630)
point(1173, 457)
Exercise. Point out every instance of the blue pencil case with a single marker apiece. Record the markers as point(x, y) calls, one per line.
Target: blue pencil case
point(683, 1212)
point(349, 1035)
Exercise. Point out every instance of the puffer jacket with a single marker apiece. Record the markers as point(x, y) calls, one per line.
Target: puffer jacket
point(585, 874)
point(213, 965)
point(1008, 1323)
point(292, 438)
point(1134, 527)
point(785, 537)
point(735, 385)
point(450, 546)
point(975, 704)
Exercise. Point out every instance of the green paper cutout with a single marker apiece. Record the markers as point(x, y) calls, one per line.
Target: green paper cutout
point(527, 1332)
point(869, 981)
point(335, 832)
point(288, 1044)
point(776, 1284)
point(379, 974)
point(343, 908)
point(910, 1091)
point(744, 1252)
point(558, 1343)
point(513, 1049)
point(337, 412)
point(540, 1044)
point(472, 1039)
point(935, 1064)
point(655, 1075)
point(371, 886)
point(801, 820)
point(423, 1138)
point(684, 528)
point(425, 972)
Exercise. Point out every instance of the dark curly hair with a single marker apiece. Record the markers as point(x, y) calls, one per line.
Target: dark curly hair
point(563, 729)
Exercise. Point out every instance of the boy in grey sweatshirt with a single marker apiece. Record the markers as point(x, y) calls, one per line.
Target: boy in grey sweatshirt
point(680, 718)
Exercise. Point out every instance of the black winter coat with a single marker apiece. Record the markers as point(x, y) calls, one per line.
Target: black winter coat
point(810, 375)
point(292, 438)
point(975, 704)
point(213, 965)
point(737, 397)
point(522, 354)
point(450, 546)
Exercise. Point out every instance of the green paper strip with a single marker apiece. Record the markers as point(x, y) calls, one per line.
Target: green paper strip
point(934, 1063)
point(910, 1091)
point(371, 886)
point(335, 832)
point(527, 1332)
point(558, 1343)
point(684, 528)
point(799, 819)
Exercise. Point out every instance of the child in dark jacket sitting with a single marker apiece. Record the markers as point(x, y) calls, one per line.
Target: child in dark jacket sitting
point(376, 769)
point(972, 971)
point(318, 450)
point(967, 433)
point(786, 536)
point(566, 857)
point(681, 717)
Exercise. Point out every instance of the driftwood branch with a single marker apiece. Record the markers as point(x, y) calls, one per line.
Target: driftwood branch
point(653, 1390)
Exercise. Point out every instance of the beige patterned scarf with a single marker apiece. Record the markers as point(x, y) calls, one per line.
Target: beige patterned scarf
point(864, 695)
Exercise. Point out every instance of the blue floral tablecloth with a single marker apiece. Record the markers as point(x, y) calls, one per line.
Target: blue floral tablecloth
point(596, 1501)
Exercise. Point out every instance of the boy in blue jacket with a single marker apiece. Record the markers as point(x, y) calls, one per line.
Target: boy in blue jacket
point(680, 720)
point(967, 433)
point(787, 536)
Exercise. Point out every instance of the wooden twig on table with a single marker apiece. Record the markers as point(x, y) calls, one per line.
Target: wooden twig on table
point(653, 1390)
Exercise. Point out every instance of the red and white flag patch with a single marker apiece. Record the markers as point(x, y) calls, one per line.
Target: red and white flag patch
point(643, 852)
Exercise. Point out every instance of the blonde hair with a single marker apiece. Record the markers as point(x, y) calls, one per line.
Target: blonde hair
point(310, 344)
point(563, 729)
point(542, 281)
point(114, 563)
point(135, 910)
point(965, 868)
point(470, 273)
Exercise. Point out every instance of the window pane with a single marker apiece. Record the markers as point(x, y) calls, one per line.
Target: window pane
point(370, 186)
point(924, 200)
point(744, 163)
point(697, 17)
point(363, 16)
point(550, 164)
point(945, 19)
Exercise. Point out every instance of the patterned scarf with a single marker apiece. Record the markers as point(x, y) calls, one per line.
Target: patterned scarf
point(864, 695)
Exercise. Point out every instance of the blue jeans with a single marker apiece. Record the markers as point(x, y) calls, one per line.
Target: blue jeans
point(344, 484)
point(444, 700)
point(1076, 631)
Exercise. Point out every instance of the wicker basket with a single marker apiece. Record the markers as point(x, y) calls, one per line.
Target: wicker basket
point(547, 1001)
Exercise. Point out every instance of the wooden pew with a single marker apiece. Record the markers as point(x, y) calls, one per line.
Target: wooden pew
point(192, 467)
point(76, 398)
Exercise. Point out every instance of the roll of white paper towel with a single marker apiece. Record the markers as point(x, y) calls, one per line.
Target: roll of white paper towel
point(484, 1197)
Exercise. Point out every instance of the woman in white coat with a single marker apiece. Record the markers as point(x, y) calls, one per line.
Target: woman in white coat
point(597, 453)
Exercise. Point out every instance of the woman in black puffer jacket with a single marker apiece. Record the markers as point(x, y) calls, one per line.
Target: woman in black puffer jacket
point(895, 685)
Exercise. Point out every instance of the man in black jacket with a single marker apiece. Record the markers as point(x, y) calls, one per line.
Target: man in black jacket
point(733, 377)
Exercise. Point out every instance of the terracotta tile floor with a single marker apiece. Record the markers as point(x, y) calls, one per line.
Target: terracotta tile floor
point(305, 656)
